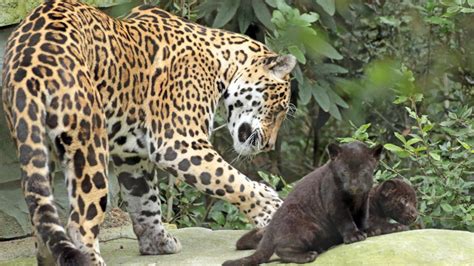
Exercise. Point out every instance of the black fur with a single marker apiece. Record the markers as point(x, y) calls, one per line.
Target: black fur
point(392, 199)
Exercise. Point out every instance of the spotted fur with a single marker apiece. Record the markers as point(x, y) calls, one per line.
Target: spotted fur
point(83, 89)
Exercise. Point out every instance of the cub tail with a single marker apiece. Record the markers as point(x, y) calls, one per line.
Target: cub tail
point(250, 240)
point(263, 253)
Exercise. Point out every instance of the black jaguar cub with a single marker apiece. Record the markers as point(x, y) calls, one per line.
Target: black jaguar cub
point(327, 207)
point(392, 199)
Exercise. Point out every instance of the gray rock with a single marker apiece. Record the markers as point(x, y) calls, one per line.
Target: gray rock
point(206, 247)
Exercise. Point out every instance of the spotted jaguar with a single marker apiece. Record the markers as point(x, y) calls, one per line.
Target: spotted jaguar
point(83, 91)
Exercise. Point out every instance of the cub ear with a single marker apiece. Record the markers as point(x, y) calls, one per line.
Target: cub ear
point(377, 151)
point(280, 65)
point(333, 150)
point(388, 187)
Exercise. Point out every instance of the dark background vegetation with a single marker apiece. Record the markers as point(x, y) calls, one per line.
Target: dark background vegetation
point(399, 73)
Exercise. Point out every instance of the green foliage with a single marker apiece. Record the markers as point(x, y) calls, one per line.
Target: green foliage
point(393, 72)
point(437, 158)
point(365, 62)
point(241, 12)
point(300, 35)
point(274, 181)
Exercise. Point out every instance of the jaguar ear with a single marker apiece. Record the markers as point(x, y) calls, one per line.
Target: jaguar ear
point(333, 150)
point(280, 65)
point(388, 187)
point(377, 151)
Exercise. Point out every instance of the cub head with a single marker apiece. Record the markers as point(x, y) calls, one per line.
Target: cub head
point(353, 166)
point(398, 201)
point(257, 100)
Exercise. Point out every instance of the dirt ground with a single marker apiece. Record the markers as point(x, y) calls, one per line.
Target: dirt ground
point(116, 217)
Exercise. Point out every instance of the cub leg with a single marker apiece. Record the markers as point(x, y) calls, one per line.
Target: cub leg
point(346, 226)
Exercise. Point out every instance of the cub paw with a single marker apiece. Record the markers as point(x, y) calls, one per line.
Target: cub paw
point(354, 237)
point(397, 228)
point(157, 243)
point(374, 231)
point(311, 256)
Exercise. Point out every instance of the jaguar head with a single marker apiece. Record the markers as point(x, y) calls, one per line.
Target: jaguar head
point(257, 100)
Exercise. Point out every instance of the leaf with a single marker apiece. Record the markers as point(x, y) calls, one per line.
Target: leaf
point(271, 3)
point(218, 217)
point(283, 6)
point(393, 147)
point(453, 9)
point(435, 156)
point(329, 6)
point(205, 8)
point(446, 207)
point(320, 46)
point(465, 145)
point(413, 140)
point(337, 99)
point(305, 92)
point(400, 137)
point(245, 15)
point(467, 113)
point(438, 21)
point(362, 129)
point(334, 111)
point(447, 123)
point(298, 74)
point(278, 19)
point(400, 99)
point(390, 21)
point(467, 10)
point(418, 97)
point(294, 50)
point(321, 96)
point(263, 14)
point(427, 128)
point(309, 17)
point(225, 12)
point(329, 69)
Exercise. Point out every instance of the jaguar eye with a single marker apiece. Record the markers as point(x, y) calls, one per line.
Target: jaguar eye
point(279, 108)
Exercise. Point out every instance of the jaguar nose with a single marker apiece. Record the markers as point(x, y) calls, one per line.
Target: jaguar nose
point(244, 132)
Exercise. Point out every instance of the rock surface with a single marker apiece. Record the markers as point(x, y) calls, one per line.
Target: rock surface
point(206, 247)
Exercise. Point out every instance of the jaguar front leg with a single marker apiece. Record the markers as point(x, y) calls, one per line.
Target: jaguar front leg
point(139, 187)
point(199, 165)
